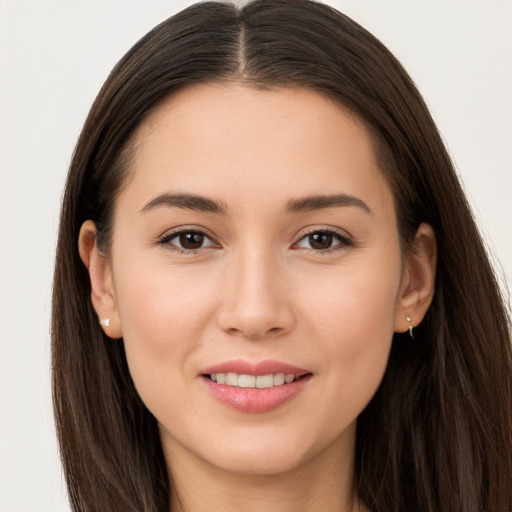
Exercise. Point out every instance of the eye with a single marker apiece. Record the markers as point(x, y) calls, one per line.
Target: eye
point(187, 240)
point(323, 240)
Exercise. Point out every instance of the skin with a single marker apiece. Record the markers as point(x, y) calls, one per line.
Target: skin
point(257, 289)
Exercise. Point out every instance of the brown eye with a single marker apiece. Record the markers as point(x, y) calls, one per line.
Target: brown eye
point(320, 240)
point(186, 240)
point(191, 240)
point(324, 241)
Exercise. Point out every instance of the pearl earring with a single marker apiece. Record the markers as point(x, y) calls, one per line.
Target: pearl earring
point(105, 322)
point(409, 319)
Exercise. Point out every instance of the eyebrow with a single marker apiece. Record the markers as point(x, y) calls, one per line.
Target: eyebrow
point(203, 204)
point(187, 202)
point(318, 202)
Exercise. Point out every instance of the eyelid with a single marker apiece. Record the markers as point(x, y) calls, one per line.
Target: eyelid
point(346, 240)
point(170, 234)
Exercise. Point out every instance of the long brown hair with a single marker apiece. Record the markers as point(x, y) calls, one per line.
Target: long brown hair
point(437, 436)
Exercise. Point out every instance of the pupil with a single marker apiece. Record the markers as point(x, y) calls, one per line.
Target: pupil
point(191, 240)
point(320, 240)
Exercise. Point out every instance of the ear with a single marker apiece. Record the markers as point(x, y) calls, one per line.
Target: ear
point(100, 273)
point(418, 280)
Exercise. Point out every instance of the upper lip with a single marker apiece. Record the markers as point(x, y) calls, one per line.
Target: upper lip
point(243, 367)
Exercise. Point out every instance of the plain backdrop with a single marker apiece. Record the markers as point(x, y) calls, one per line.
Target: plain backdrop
point(54, 56)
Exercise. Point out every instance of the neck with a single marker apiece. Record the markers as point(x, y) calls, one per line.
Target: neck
point(324, 482)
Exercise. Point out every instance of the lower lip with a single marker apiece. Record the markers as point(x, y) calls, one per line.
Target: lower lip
point(254, 399)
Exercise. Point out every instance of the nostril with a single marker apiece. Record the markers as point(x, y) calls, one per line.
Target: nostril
point(254, 318)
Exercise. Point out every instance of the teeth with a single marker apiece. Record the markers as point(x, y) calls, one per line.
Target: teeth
point(264, 381)
point(232, 379)
point(280, 378)
point(252, 381)
point(246, 381)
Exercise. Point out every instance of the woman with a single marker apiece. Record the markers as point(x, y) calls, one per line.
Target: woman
point(279, 298)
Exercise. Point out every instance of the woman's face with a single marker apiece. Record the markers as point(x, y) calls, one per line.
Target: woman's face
point(255, 236)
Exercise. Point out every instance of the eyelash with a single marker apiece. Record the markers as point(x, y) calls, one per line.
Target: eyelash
point(167, 238)
point(344, 240)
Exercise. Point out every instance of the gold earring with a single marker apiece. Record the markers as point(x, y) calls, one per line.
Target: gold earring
point(409, 319)
point(105, 322)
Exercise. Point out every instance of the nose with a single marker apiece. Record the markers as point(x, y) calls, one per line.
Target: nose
point(255, 302)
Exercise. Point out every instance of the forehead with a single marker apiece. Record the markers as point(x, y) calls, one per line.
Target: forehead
point(217, 139)
point(251, 115)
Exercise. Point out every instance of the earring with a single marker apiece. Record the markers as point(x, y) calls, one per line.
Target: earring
point(409, 319)
point(105, 322)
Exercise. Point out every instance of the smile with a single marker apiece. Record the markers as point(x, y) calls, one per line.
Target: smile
point(253, 381)
point(255, 387)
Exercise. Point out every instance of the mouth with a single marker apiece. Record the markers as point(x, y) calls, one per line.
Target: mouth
point(255, 387)
point(255, 381)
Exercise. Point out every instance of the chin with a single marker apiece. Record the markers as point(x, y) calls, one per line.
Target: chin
point(263, 452)
point(258, 462)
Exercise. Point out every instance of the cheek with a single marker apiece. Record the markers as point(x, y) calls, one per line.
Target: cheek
point(357, 302)
point(352, 324)
point(163, 313)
